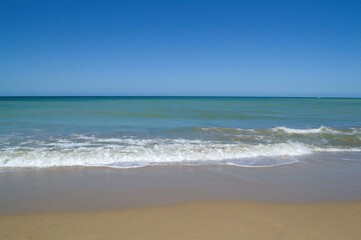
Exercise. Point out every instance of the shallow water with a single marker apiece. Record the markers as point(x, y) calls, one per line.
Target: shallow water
point(127, 132)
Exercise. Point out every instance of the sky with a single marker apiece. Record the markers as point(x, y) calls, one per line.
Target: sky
point(180, 48)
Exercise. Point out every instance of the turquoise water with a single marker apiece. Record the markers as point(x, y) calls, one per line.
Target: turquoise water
point(140, 131)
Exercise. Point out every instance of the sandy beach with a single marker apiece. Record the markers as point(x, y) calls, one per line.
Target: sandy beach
point(207, 220)
point(105, 189)
point(317, 199)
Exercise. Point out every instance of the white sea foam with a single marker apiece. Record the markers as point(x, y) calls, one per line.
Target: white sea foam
point(160, 151)
point(287, 130)
point(242, 147)
point(335, 149)
point(321, 129)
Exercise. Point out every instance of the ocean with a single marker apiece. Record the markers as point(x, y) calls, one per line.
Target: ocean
point(131, 132)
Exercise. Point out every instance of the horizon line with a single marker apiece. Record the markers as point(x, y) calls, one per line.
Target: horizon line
point(170, 96)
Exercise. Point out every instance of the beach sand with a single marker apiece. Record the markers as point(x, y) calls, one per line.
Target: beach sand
point(318, 199)
point(204, 220)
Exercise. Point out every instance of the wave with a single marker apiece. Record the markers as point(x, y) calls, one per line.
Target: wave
point(145, 152)
point(234, 146)
point(287, 130)
point(321, 129)
point(345, 137)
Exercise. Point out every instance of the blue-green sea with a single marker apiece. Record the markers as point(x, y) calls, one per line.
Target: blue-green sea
point(126, 132)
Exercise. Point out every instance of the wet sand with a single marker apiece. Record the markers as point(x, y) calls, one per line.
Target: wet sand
point(314, 199)
point(217, 220)
point(88, 189)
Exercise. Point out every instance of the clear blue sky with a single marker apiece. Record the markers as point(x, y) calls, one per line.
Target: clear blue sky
point(238, 48)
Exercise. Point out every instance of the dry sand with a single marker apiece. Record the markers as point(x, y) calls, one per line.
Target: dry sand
point(207, 220)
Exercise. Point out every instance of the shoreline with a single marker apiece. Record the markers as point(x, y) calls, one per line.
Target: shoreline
point(200, 220)
point(316, 198)
point(103, 189)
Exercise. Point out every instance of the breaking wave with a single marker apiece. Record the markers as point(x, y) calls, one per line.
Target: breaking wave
point(232, 146)
point(144, 152)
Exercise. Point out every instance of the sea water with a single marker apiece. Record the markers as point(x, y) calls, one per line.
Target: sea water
point(127, 132)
